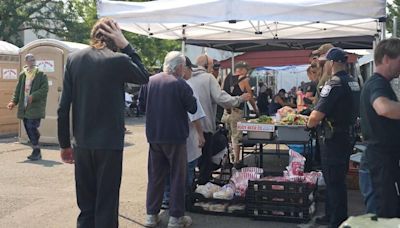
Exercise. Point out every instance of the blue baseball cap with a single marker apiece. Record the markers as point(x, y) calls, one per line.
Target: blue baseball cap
point(337, 55)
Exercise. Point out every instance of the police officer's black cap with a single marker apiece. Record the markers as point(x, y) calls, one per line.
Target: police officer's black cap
point(337, 55)
point(189, 63)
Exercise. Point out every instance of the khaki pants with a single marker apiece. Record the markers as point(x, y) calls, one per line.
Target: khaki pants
point(231, 121)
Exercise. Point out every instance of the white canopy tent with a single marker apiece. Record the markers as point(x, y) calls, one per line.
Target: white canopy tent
point(255, 24)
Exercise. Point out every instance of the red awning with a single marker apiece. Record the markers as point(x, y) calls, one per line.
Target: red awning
point(276, 58)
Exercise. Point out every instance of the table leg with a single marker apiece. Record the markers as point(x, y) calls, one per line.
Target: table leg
point(261, 156)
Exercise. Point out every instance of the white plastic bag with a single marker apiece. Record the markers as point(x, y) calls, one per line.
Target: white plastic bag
point(296, 164)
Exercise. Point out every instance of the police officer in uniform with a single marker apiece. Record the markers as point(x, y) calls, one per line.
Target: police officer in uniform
point(337, 113)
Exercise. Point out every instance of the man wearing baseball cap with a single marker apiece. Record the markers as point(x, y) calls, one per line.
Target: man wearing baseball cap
point(236, 85)
point(336, 110)
point(31, 96)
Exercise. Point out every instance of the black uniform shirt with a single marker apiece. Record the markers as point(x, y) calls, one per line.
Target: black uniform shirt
point(377, 130)
point(337, 103)
point(336, 100)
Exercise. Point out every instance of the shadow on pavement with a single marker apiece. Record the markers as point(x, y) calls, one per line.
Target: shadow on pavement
point(45, 163)
point(163, 216)
point(131, 220)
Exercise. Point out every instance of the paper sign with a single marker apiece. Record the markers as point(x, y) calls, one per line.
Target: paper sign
point(45, 65)
point(255, 127)
point(10, 74)
point(50, 83)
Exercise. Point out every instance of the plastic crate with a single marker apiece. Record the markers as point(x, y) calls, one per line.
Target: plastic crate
point(292, 133)
point(197, 201)
point(280, 198)
point(274, 186)
point(281, 213)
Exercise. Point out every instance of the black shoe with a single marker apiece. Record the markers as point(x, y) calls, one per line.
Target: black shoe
point(322, 220)
point(36, 155)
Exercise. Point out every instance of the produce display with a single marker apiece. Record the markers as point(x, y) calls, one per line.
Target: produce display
point(265, 120)
point(294, 119)
point(283, 112)
point(262, 120)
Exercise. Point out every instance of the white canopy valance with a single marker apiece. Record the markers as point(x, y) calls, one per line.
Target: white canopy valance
point(247, 20)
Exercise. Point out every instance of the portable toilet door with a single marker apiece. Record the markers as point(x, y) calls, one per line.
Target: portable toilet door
point(51, 56)
point(9, 70)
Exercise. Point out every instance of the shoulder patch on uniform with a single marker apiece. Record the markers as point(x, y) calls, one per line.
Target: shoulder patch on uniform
point(326, 90)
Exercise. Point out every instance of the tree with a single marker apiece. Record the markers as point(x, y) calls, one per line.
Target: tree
point(151, 50)
point(51, 16)
point(393, 11)
point(85, 16)
point(70, 20)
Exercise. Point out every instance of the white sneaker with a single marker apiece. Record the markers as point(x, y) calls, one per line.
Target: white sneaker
point(184, 221)
point(152, 221)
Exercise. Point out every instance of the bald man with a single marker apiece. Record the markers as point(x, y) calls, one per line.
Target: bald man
point(210, 94)
point(206, 62)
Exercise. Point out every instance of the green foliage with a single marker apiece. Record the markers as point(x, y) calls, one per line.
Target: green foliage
point(52, 16)
point(152, 50)
point(393, 11)
point(70, 20)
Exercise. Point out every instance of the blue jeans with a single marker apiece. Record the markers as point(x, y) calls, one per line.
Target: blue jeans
point(189, 181)
point(367, 191)
point(31, 127)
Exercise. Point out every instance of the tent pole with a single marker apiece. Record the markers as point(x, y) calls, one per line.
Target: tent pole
point(233, 62)
point(394, 33)
point(183, 40)
point(374, 43)
point(183, 46)
point(383, 24)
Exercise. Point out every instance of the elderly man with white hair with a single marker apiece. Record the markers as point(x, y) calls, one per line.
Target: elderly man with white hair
point(167, 99)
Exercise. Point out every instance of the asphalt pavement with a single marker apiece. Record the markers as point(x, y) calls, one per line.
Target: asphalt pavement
point(42, 193)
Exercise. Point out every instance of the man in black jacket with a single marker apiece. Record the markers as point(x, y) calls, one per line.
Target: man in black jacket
point(94, 84)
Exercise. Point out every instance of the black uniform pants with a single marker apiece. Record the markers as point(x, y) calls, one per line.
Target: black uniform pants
point(336, 193)
point(335, 162)
point(385, 175)
point(205, 162)
point(98, 179)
